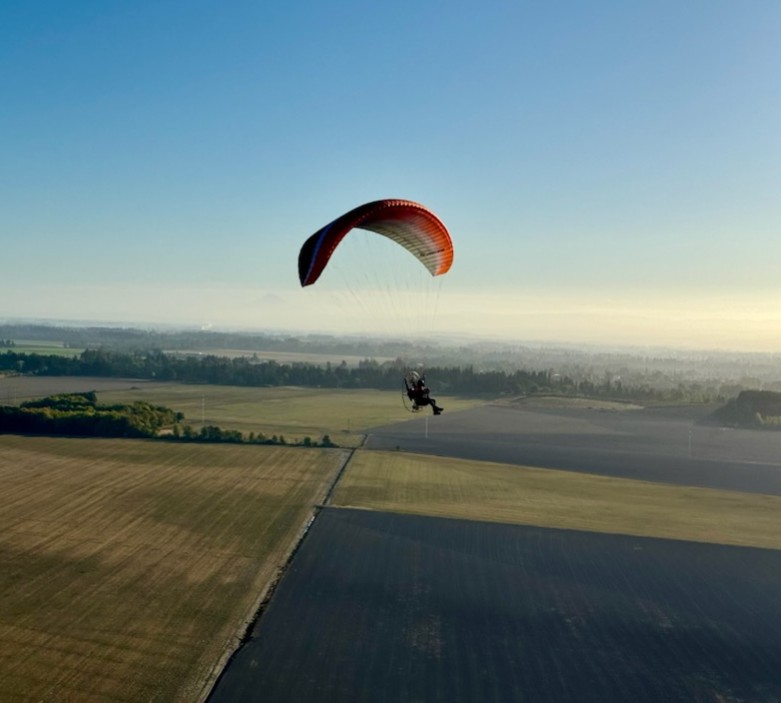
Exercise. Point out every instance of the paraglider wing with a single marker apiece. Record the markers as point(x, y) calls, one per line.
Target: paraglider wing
point(410, 224)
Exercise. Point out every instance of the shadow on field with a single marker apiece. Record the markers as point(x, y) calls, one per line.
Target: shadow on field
point(667, 445)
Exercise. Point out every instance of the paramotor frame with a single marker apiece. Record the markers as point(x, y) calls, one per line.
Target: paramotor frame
point(409, 405)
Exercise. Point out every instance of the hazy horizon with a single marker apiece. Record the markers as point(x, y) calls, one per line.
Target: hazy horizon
point(609, 173)
point(534, 320)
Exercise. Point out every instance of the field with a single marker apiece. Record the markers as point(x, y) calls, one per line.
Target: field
point(17, 389)
point(657, 444)
point(22, 346)
point(385, 607)
point(282, 357)
point(295, 413)
point(614, 566)
point(129, 568)
point(445, 487)
point(535, 584)
point(345, 415)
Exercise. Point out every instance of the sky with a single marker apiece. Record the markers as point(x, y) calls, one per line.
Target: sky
point(609, 171)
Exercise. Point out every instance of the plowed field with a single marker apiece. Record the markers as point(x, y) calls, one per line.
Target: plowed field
point(384, 607)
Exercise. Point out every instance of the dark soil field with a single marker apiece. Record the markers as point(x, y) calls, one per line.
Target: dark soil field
point(654, 444)
point(384, 607)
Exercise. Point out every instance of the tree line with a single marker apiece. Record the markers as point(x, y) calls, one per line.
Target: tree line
point(244, 371)
point(752, 410)
point(80, 415)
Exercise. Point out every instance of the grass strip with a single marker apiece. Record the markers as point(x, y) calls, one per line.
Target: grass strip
point(456, 488)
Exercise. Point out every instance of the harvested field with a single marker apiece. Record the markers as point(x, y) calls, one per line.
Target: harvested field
point(445, 487)
point(294, 412)
point(17, 389)
point(387, 607)
point(128, 568)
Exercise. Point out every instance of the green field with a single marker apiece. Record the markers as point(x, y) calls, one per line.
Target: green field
point(128, 569)
point(474, 490)
point(23, 346)
point(344, 415)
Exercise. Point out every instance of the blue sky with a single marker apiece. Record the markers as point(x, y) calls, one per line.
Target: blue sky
point(610, 171)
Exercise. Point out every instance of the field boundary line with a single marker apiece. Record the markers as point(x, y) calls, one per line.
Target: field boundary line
point(243, 633)
point(329, 493)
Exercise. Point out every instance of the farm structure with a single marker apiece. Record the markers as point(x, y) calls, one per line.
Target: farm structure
point(388, 607)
